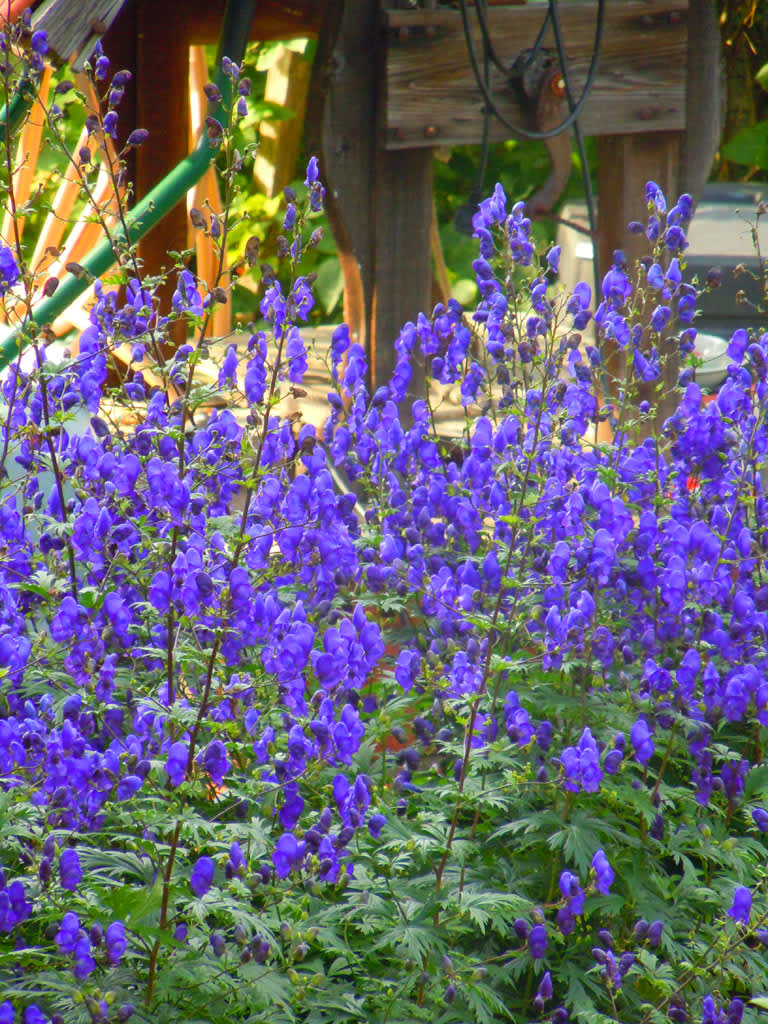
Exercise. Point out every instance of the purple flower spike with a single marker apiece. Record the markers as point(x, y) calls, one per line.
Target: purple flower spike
point(70, 871)
point(537, 941)
point(655, 928)
point(603, 873)
point(742, 905)
point(114, 940)
point(202, 876)
point(642, 741)
point(176, 765)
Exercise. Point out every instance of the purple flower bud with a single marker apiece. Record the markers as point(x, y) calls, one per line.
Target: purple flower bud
point(625, 962)
point(742, 905)
point(655, 928)
point(545, 987)
point(137, 137)
point(39, 42)
point(735, 1011)
point(110, 123)
point(603, 873)
point(70, 871)
point(537, 941)
point(115, 942)
point(313, 172)
point(201, 878)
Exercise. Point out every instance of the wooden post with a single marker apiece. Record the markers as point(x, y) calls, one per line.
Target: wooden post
point(379, 202)
point(341, 111)
point(625, 164)
point(162, 73)
point(677, 161)
point(403, 268)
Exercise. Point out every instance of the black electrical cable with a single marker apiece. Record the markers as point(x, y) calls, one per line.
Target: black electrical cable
point(464, 215)
point(585, 177)
point(517, 130)
point(488, 48)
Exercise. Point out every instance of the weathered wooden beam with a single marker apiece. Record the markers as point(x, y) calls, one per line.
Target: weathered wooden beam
point(432, 98)
point(75, 25)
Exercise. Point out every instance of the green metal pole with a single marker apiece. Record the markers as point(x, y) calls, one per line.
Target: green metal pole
point(13, 113)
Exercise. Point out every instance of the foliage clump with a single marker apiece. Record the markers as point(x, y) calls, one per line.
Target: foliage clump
point(350, 723)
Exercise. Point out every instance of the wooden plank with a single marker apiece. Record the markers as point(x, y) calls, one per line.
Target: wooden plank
point(340, 126)
point(162, 70)
point(280, 141)
point(625, 164)
point(432, 97)
point(403, 268)
point(75, 25)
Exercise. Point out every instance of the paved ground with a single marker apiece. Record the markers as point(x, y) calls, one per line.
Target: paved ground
point(449, 413)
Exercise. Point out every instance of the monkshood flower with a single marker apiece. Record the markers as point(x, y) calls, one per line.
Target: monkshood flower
point(581, 765)
point(14, 905)
point(287, 854)
point(176, 764)
point(741, 906)
point(712, 1012)
point(9, 270)
point(574, 896)
point(616, 287)
point(66, 937)
point(654, 197)
point(215, 761)
point(537, 941)
point(186, 298)
point(201, 879)
point(642, 741)
point(604, 875)
point(70, 872)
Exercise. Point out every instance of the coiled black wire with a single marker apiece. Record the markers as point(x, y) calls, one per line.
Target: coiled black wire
point(517, 130)
point(574, 108)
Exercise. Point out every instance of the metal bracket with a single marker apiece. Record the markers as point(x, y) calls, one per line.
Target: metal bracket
point(529, 72)
point(537, 80)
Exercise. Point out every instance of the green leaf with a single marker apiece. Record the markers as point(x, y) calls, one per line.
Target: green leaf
point(749, 147)
point(762, 77)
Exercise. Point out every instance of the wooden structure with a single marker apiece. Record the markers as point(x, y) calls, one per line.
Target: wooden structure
point(390, 84)
point(391, 81)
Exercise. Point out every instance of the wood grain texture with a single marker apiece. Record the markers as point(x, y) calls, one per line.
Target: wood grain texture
point(431, 97)
point(73, 25)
